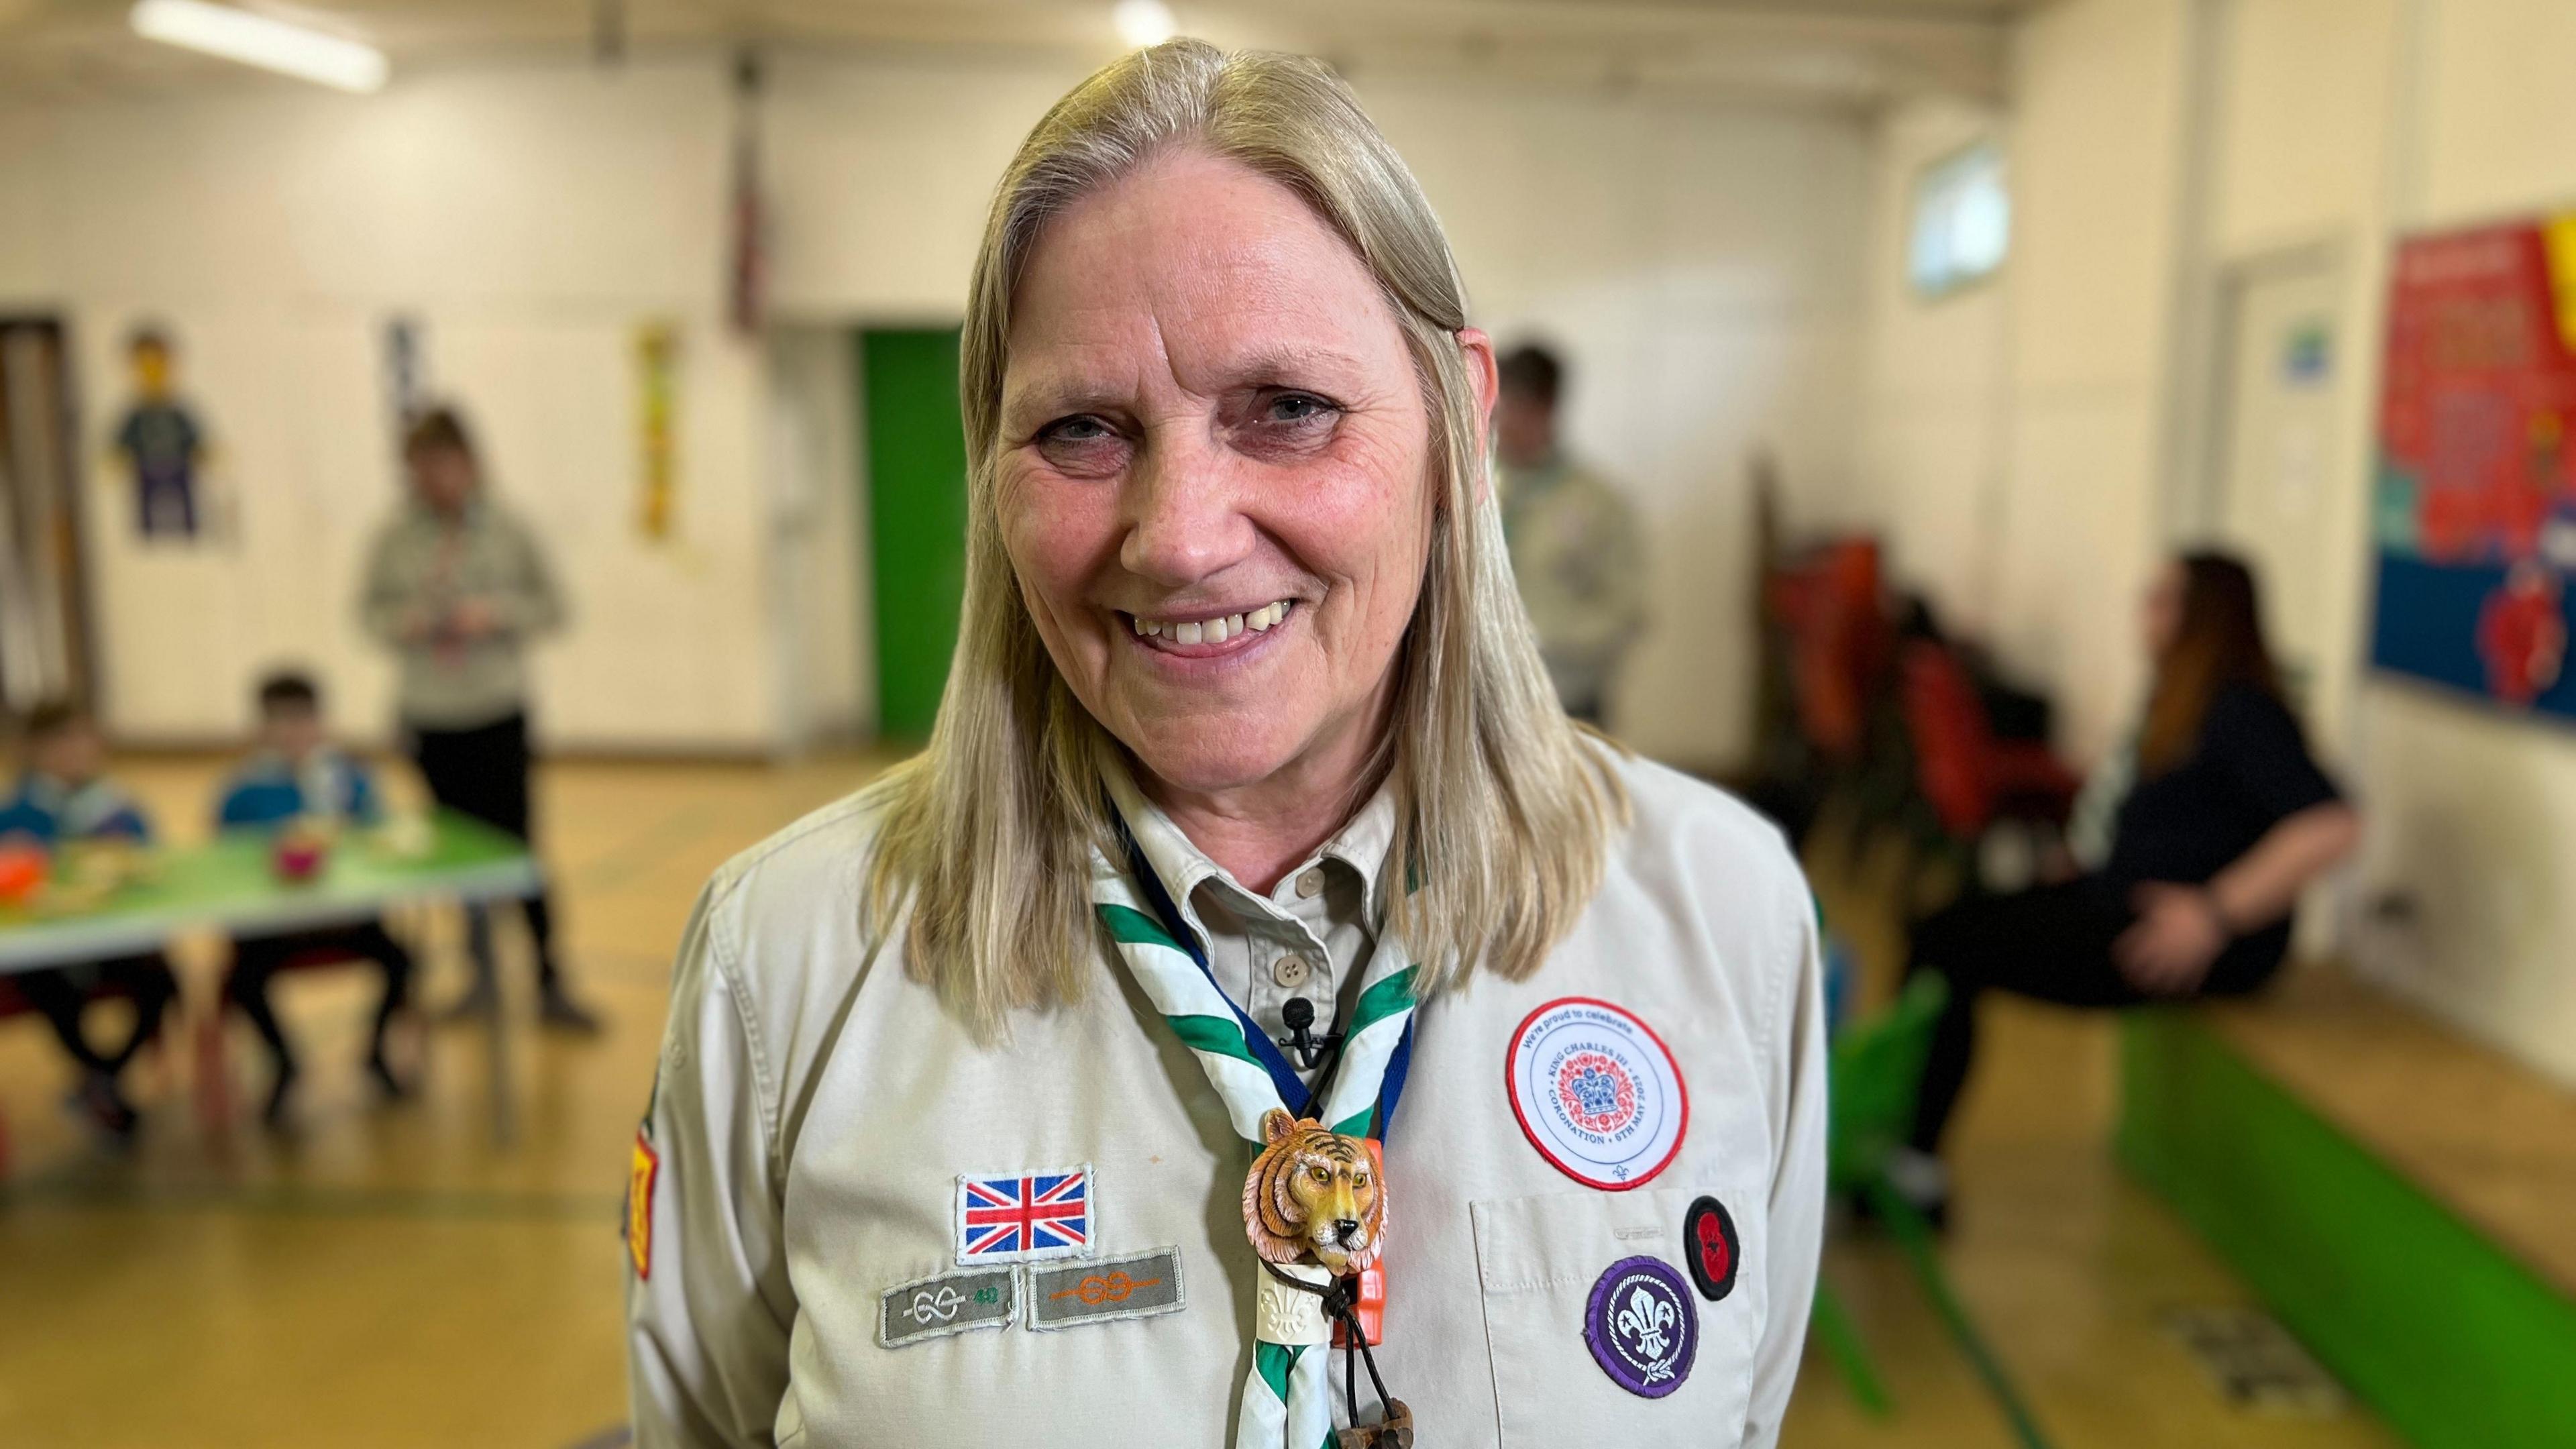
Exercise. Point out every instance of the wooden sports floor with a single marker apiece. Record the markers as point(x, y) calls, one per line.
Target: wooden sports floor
point(386, 1275)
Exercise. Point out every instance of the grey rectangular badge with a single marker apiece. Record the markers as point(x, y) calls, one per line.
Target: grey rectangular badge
point(1097, 1291)
point(949, 1303)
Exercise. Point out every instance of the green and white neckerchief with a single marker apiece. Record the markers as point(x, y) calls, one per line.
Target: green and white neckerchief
point(1287, 1401)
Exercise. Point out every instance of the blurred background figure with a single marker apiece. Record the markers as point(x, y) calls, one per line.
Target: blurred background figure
point(295, 781)
point(2224, 820)
point(1574, 544)
point(63, 802)
point(458, 587)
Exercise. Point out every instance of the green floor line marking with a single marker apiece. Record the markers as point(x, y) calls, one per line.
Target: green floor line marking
point(320, 1201)
point(1833, 1325)
point(1914, 1235)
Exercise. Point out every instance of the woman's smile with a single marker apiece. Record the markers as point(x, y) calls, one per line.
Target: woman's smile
point(1192, 636)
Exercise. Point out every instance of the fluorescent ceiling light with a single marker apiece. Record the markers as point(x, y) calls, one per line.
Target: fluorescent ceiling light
point(1144, 22)
point(257, 40)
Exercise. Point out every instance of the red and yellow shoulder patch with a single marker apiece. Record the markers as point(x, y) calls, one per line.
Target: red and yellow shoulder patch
point(640, 1172)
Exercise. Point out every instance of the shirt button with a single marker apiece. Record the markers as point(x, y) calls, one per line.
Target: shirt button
point(1289, 971)
point(1310, 883)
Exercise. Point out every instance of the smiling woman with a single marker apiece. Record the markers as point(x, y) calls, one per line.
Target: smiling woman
point(1242, 453)
point(1249, 802)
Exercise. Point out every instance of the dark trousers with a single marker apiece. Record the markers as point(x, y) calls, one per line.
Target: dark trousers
point(2050, 944)
point(60, 995)
point(483, 772)
point(258, 958)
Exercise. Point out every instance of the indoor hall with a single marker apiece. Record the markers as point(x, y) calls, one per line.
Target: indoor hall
point(2085, 475)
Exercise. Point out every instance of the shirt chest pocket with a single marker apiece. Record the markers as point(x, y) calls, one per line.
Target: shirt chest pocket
point(1599, 1329)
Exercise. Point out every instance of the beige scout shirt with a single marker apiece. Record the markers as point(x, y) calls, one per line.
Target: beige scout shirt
point(815, 1110)
point(421, 567)
point(1581, 567)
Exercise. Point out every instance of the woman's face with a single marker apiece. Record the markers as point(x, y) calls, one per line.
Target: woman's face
point(2160, 615)
point(1215, 474)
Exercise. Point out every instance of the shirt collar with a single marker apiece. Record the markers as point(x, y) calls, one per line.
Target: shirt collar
point(1362, 843)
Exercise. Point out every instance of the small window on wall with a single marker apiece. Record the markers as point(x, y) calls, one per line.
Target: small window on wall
point(1962, 221)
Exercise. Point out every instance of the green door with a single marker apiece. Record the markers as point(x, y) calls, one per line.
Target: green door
point(916, 501)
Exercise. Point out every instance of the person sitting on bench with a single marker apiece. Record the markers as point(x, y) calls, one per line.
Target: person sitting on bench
point(2219, 819)
point(296, 777)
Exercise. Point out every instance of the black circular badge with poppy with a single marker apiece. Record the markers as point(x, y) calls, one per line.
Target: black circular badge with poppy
point(1710, 1247)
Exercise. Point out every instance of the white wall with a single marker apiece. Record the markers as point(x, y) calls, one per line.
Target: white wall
point(2011, 431)
point(2477, 813)
point(2330, 126)
point(530, 221)
point(1700, 268)
point(1700, 264)
point(1934, 420)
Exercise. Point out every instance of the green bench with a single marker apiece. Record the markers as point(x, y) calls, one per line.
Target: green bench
point(2403, 1200)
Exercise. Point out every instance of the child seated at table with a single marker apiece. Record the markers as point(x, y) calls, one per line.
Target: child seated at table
point(64, 798)
point(297, 778)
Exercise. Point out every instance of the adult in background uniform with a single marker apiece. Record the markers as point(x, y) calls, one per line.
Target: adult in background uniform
point(458, 588)
point(1249, 798)
point(1575, 550)
point(2219, 819)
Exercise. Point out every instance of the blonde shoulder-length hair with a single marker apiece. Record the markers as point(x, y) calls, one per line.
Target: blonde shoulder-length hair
point(1504, 805)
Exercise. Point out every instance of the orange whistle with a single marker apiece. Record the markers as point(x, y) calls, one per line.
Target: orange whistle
point(1372, 1304)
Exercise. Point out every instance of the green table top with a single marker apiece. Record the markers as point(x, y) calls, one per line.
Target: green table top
point(228, 883)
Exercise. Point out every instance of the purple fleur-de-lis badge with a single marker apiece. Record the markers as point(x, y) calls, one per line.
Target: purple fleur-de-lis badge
point(1642, 1326)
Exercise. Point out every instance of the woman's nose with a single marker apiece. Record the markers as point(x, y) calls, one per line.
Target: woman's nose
point(1185, 519)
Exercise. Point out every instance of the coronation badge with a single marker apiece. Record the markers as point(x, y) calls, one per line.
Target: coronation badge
point(1597, 1092)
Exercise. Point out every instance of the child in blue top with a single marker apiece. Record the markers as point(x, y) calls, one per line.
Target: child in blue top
point(63, 797)
point(297, 775)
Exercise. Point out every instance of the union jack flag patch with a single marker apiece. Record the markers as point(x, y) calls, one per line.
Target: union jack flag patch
point(1024, 1218)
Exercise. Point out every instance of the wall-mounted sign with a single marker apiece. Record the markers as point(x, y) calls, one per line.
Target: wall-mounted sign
point(2475, 514)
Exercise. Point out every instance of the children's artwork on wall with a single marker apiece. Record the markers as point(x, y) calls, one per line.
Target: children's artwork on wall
point(163, 447)
point(657, 352)
point(2474, 521)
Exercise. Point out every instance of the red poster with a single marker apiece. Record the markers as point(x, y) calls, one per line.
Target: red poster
point(2475, 519)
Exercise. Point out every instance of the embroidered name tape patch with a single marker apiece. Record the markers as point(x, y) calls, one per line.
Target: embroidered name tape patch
point(1711, 1248)
point(1642, 1326)
point(1024, 1218)
point(1597, 1092)
point(1098, 1292)
point(949, 1303)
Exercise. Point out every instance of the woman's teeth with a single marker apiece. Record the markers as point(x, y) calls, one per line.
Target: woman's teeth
point(1213, 631)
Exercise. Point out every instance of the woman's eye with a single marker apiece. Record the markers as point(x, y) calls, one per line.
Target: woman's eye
point(1083, 429)
point(1296, 407)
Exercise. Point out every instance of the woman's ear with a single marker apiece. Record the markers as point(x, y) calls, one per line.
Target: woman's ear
point(1477, 351)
